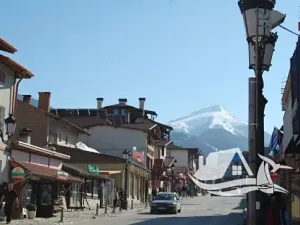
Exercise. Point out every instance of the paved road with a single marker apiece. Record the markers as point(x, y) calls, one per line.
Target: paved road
point(201, 210)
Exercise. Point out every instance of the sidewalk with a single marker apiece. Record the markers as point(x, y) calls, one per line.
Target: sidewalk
point(79, 216)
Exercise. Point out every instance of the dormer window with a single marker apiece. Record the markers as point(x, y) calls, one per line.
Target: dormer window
point(2, 77)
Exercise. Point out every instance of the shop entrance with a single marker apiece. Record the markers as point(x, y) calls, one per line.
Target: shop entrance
point(42, 196)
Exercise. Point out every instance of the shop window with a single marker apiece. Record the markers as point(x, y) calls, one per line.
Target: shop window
point(75, 195)
point(46, 194)
point(92, 188)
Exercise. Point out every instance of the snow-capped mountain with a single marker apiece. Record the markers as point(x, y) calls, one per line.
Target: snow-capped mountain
point(211, 129)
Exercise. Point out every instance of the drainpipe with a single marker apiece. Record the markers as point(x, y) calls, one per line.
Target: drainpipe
point(13, 108)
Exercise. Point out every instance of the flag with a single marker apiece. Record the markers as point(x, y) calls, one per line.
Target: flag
point(275, 142)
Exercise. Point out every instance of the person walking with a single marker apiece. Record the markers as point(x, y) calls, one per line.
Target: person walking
point(115, 201)
point(121, 200)
point(11, 199)
point(154, 192)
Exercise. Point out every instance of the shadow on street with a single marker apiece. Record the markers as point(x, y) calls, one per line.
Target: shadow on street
point(230, 219)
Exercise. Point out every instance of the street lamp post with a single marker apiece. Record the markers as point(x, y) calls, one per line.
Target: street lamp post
point(259, 20)
point(172, 169)
point(10, 125)
point(127, 157)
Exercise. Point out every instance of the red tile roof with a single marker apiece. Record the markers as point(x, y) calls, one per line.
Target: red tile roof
point(5, 46)
point(42, 171)
point(20, 71)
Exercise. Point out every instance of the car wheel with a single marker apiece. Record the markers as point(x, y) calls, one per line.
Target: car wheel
point(179, 210)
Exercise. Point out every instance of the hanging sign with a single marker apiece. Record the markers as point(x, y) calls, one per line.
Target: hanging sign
point(93, 169)
point(63, 176)
point(17, 174)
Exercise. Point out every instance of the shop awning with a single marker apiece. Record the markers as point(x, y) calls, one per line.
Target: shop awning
point(44, 172)
point(111, 172)
point(83, 173)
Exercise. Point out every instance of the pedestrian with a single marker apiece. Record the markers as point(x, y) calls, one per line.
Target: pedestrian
point(154, 192)
point(115, 201)
point(121, 199)
point(11, 199)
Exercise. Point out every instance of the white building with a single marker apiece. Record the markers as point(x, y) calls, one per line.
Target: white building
point(11, 73)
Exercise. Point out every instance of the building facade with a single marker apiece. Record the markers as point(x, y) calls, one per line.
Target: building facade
point(45, 127)
point(11, 74)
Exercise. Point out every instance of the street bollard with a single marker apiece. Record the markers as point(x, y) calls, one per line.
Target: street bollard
point(62, 214)
point(131, 204)
point(105, 209)
point(97, 209)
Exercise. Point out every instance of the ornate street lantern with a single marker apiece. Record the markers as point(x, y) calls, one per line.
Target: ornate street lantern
point(266, 53)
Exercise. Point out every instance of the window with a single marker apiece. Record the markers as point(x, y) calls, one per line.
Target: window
point(60, 136)
point(67, 139)
point(2, 77)
point(116, 112)
point(52, 137)
point(46, 194)
point(237, 170)
point(2, 115)
point(163, 151)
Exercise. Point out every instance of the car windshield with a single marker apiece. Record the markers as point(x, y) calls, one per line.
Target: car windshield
point(165, 197)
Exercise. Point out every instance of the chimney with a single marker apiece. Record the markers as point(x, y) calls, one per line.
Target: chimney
point(123, 101)
point(44, 101)
point(27, 99)
point(142, 103)
point(99, 103)
point(25, 135)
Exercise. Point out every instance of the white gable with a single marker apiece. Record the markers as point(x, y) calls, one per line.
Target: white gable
point(217, 164)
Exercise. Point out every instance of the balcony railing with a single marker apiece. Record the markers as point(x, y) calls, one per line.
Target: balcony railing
point(151, 148)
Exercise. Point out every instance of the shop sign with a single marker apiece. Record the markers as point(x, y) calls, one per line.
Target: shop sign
point(17, 174)
point(63, 176)
point(138, 155)
point(93, 169)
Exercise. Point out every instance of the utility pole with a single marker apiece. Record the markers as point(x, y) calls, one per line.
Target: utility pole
point(251, 197)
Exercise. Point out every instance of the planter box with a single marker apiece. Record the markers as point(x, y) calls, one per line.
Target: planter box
point(31, 214)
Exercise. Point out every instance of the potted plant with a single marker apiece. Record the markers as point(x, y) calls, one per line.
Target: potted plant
point(31, 211)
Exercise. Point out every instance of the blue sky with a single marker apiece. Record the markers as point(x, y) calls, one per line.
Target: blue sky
point(182, 55)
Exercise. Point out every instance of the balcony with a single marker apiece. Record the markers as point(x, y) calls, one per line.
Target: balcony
point(150, 148)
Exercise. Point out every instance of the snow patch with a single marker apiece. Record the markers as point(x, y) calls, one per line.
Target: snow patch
point(84, 147)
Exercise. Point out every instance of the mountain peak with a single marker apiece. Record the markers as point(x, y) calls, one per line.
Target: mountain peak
point(209, 109)
point(210, 117)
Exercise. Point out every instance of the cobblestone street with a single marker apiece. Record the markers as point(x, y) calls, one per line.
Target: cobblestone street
point(204, 210)
point(71, 217)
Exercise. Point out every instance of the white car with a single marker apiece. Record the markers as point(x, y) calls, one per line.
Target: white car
point(166, 202)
